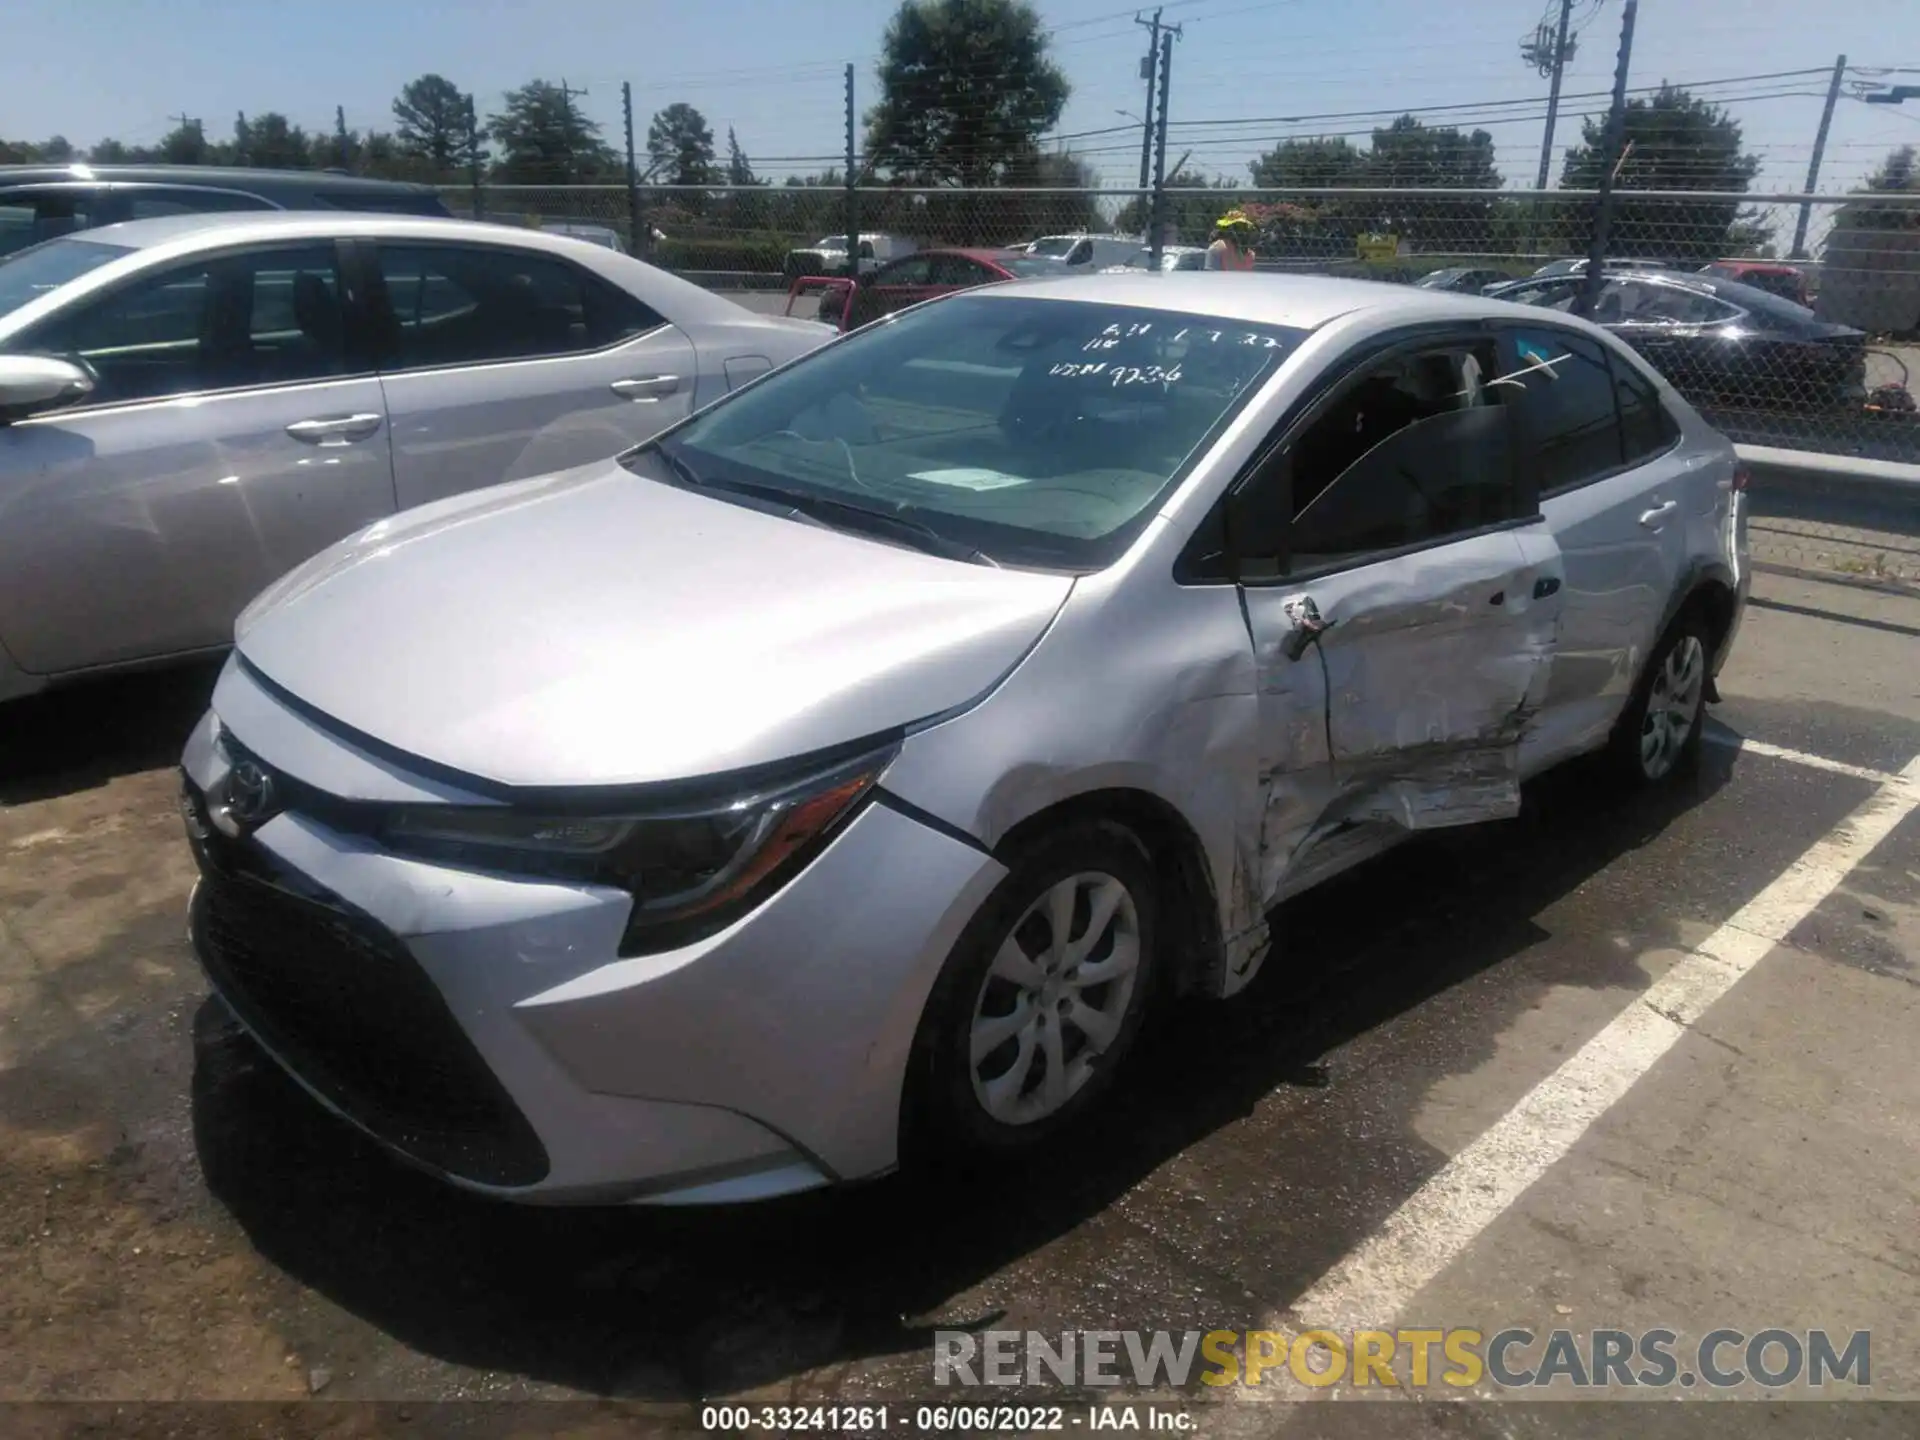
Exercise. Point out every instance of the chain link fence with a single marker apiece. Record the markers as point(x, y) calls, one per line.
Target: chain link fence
point(1820, 352)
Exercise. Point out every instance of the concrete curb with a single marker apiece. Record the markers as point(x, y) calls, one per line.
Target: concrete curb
point(1808, 474)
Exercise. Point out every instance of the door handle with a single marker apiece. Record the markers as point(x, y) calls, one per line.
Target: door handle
point(1546, 585)
point(1652, 518)
point(646, 388)
point(337, 429)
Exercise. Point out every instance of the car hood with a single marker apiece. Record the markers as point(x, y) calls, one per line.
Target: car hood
point(596, 627)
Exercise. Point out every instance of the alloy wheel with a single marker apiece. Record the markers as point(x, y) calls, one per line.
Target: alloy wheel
point(1673, 707)
point(1054, 999)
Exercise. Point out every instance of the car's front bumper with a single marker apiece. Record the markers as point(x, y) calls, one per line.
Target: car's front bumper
point(484, 1027)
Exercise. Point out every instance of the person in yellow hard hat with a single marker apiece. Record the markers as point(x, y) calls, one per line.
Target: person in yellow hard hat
point(1232, 248)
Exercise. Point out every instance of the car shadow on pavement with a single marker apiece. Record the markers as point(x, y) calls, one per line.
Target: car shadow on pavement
point(83, 735)
point(676, 1305)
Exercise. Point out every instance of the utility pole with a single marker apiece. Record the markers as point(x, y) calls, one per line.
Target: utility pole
point(242, 138)
point(342, 144)
point(853, 198)
point(1148, 63)
point(567, 92)
point(1799, 251)
point(1553, 94)
point(636, 237)
point(1158, 223)
point(1603, 208)
point(189, 123)
point(473, 159)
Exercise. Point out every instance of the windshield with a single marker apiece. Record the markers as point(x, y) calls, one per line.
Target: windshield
point(28, 274)
point(1026, 265)
point(1035, 432)
point(1055, 246)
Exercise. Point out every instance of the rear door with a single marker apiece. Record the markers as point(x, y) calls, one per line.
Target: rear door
point(1616, 497)
point(500, 363)
point(1402, 630)
point(236, 429)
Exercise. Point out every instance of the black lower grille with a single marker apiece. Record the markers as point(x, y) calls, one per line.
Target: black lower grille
point(344, 1004)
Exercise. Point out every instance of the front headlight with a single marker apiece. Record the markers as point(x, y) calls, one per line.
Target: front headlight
point(691, 868)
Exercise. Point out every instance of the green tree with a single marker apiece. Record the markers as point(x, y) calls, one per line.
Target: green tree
point(1309, 165)
point(277, 144)
point(966, 90)
point(1898, 174)
point(186, 144)
point(1408, 154)
point(680, 145)
point(431, 119)
point(547, 141)
point(1673, 141)
point(739, 167)
point(113, 152)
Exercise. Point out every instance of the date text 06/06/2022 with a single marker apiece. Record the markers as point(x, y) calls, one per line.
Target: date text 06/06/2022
point(939, 1419)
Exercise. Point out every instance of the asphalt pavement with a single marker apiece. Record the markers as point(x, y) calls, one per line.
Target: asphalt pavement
point(1618, 1064)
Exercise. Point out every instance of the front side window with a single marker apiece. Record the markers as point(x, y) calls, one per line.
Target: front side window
point(1039, 432)
point(1416, 450)
point(260, 318)
point(461, 305)
point(1563, 388)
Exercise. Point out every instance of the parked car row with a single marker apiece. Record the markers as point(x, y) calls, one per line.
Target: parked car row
point(705, 822)
point(623, 681)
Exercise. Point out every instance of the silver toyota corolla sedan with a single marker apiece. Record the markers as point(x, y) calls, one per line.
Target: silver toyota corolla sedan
point(862, 760)
point(190, 406)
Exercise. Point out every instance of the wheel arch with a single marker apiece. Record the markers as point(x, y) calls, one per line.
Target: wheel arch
point(1184, 880)
point(1707, 588)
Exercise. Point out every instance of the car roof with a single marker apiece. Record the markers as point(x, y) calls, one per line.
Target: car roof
point(193, 231)
point(179, 237)
point(228, 177)
point(1302, 302)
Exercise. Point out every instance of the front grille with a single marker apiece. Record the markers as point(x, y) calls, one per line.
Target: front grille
point(344, 1004)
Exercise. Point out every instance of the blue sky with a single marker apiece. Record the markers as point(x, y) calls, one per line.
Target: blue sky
point(772, 70)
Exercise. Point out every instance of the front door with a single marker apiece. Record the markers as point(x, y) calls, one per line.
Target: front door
point(232, 434)
point(1402, 630)
point(501, 363)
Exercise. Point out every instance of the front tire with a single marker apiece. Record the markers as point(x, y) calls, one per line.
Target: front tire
point(1658, 738)
point(1042, 998)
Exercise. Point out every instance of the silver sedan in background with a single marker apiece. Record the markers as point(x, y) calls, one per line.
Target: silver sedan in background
point(191, 406)
point(855, 765)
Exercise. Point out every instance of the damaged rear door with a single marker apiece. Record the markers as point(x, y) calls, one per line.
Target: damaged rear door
point(1401, 595)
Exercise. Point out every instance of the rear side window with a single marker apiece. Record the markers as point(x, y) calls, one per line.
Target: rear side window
point(1563, 388)
point(28, 216)
point(153, 204)
point(1646, 428)
point(455, 305)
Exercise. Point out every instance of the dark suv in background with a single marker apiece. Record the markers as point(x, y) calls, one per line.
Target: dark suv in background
point(38, 202)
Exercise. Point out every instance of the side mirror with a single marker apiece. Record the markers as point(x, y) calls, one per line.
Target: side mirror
point(30, 384)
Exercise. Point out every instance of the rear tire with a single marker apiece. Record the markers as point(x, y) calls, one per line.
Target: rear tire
point(1657, 739)
point(1041, 1000)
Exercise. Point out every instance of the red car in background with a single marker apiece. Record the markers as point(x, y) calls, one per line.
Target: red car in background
point(911, 279)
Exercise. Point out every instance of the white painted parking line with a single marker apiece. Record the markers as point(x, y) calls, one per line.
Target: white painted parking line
point(1371, 1287)
point(1733, 740)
